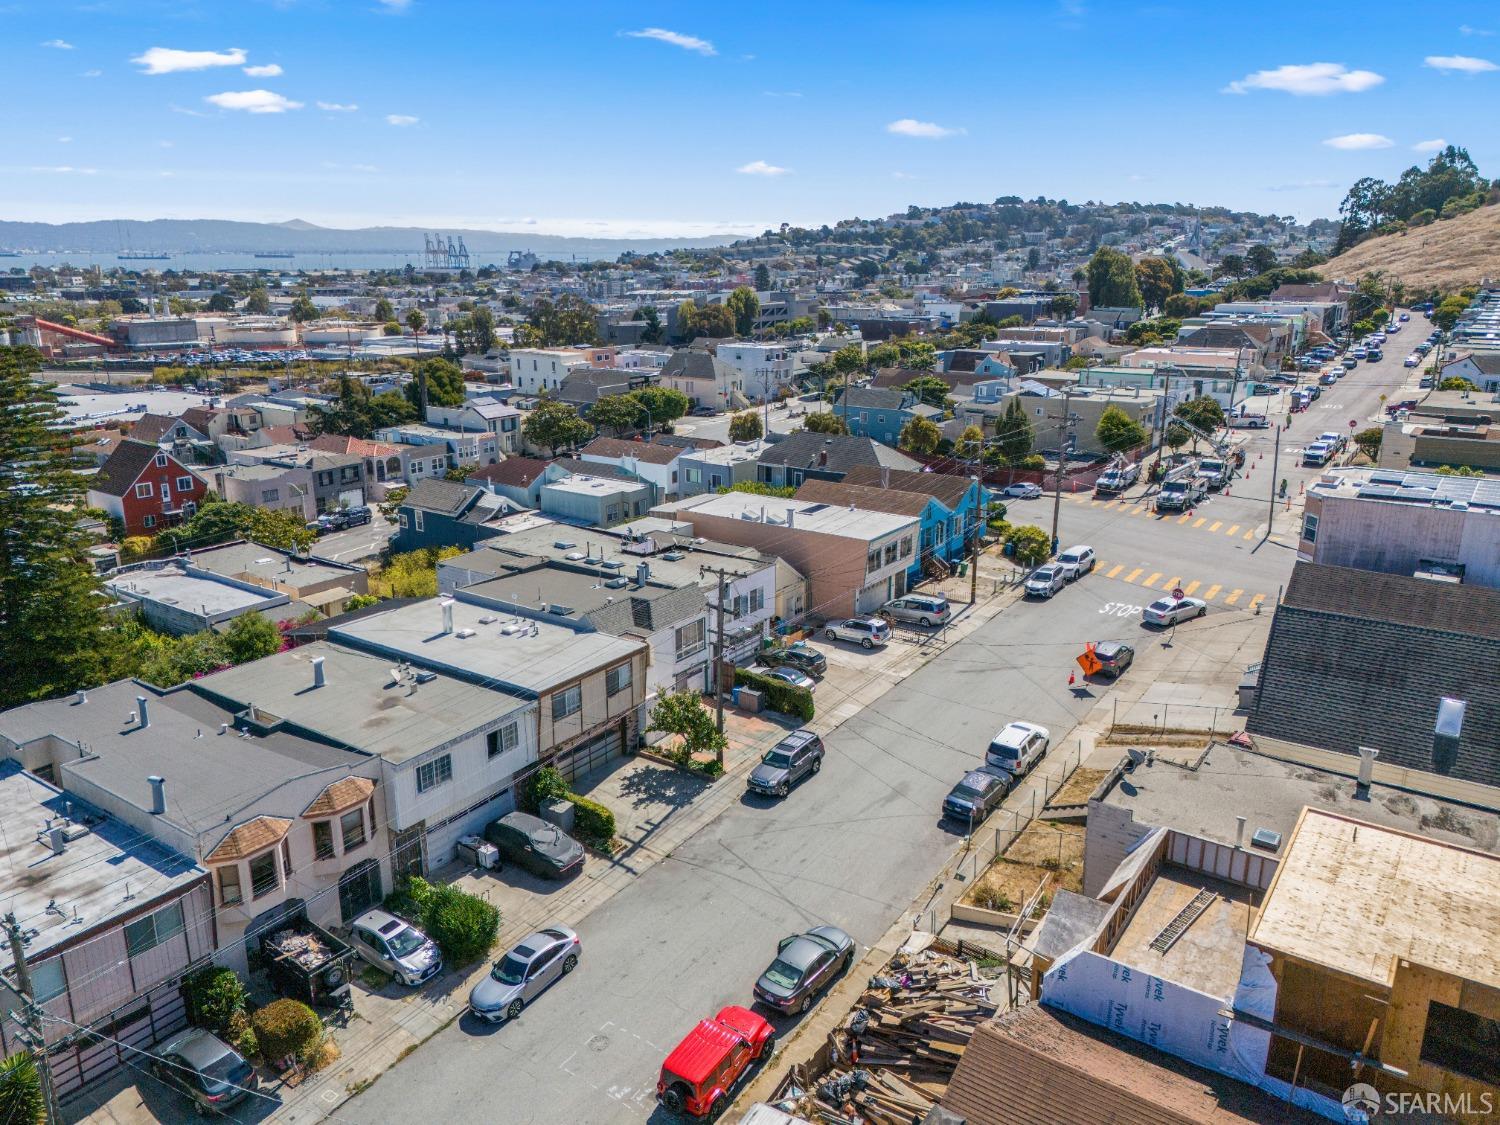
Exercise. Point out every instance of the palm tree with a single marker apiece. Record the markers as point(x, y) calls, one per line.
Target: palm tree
point(20, 1090)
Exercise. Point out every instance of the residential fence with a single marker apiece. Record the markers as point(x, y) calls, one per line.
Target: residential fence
point(1151, 719)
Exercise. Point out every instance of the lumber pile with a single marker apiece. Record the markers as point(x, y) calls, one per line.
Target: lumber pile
point(891, 1057)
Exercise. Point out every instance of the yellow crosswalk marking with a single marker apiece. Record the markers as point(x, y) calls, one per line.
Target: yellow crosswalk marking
point(1172, 583)
point(1200, 521)
point(1095, 503)
point(1138, 511)
point(1185, 517)
point(1250, 534)
point(1255, 601)
point(1115, 571)
point(1152, 580)
point(1212, 592)
point(1233, 528)
point(1134, 574)
point(1216, 525)
point(1190, 587)
point(1234, 596)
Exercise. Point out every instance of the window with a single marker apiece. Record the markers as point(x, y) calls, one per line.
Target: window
point(147, 933)
point(690, 639)
point(143, 490)
point(567, 702)
point(401, 517)
point(617, 679)
point(148, 521)
point(434, 773)
point(1310, 528)
point(270, 495)
point(263, 876)
point(1462, 1042)
point(890, 553)
point(370, 813)
point(161, 460)
point(352, 826)
point(906, 547)
point(47, 980)
point(184, 484)
point(872, 561)
point(229, 886)
point(322, 840)
point(418, 515)
point(757, 599)
point(694, 476)
point(286, 857)
point(502, 739)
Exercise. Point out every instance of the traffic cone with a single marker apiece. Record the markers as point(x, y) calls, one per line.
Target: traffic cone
point(1070, 679)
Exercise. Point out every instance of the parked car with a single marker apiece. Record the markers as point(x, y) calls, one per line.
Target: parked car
point(1250, 422)
point(975, 796)
point(800, 656)
point(1076, 562)
point(1405, 317)
point(541, 848)
point(1169, 611)
point(794, 676)
point(804, 964)
point(1115, 656)
point(204, 1069)
point(397, 947)
point(798, 755)
point(1328, 378)
point(1045, 581)
point(922, 609)
point(530, 967)
point(1349, 362)
point(699, 1074)
point(1425, 382)
point(1021, 491)
point(1016, 748)
point(1412, 360)
point(868, 632)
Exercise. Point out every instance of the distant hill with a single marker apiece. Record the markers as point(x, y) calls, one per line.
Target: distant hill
point(210, 236)
point(1445, 255)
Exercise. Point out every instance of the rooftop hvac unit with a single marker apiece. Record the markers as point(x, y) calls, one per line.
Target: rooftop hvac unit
point(462, 634)
point(616, 583)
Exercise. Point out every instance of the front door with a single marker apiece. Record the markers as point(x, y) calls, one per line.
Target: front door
point(406, 851)
point(359, 890)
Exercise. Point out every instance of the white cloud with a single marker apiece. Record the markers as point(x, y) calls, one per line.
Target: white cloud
point(911, 127)
point(1437, 144)
point(268, 70)
point(58, 44)
point(1354, 142)
point(338, 107)
point(64, 140)
point(1464, 64)
point(1310, 79)
point(92, 73)
point(675, 38)
point(253, 101)
point(395, 5)
point(166, 60)
point(63, 170)
point(761, 168)
point(781, 93)
point(1465, 29)
point(902, 176)
point(400, 120)
point(185, 111)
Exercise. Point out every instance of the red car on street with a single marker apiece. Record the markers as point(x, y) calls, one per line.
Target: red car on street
point(701, 1070)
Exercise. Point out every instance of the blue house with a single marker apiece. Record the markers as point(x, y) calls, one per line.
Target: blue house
point(442, 513)
point(880, 412)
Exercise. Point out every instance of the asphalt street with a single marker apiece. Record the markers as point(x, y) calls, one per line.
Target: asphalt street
point(854, 845)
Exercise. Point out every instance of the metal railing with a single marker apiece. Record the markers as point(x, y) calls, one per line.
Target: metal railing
point(1151, 719)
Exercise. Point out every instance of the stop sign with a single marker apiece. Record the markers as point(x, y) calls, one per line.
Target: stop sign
point(1353, 422)
point(1177, 592)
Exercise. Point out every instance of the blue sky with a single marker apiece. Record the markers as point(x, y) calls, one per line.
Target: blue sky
point(693, 119)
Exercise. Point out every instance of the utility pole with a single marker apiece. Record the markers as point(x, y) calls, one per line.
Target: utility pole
point(721, 574)
point(1062, 460)
point(1166, 396)
point(29, 1019)
point(974, 566)
point(1275, 461)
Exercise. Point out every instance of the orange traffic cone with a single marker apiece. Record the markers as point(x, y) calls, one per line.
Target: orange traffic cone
point(1070, 679)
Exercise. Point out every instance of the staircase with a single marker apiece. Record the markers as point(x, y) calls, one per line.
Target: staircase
point(1185, 918)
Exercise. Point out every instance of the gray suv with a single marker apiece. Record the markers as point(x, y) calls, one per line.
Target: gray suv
point(798, 755)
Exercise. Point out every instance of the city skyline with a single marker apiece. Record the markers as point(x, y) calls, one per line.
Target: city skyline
point(676, 122)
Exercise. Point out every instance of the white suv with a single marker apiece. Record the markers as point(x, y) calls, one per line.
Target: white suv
point(1017, 748)
point(869, 632)
point(1075, 562)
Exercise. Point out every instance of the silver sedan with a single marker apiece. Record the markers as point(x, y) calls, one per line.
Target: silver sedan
point(1169, 611)
point(523, 974)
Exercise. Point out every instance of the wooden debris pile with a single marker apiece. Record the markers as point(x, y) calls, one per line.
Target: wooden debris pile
point(891, 1058)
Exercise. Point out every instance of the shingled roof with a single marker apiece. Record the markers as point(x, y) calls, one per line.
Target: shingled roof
point(944, 487)
point(615, 449)
point(345, 793)
point(444, 496)
point(803, 449)
point(518, 472)
point(246, 839)
point(872, 498)
point(1358, 658)
point(118, 475)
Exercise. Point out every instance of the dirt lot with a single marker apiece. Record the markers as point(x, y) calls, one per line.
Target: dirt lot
point(1046, 849)
point(1075, 791)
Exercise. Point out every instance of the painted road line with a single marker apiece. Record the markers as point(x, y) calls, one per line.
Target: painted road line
point(1255, 601)
point(1233, 528)
point(1212, 592)
point(1172, 583)
point(1134, 574)
point(1234, 596)
point(1250, 534)
point(1155, 574)
point(1116, 570)
point(1216, 525)
point(1190, 587)
point(1200, 521)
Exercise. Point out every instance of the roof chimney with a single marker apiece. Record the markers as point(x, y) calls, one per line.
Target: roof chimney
point(447, 616)
point(642, 572)
point(791, 517)
point(142, 715)
point(1239, 832)
point(81, 696)
point(317, 667)
point(822, 457)
point(1367, 756)
point(158, 795)
point(58, 839)
point(885, 476)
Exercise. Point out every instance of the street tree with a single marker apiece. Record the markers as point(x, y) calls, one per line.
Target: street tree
point(825, 422)
point(1014, 436)
point(970, 442)
point(762, 277)
point(616, 412)
point(1446, 315)
point(682, 713)
point(663, 405)
point(416, 321)
point(1203, 412)
point(1368, 441)
point(1118, 431)
point(920, 436)
point(258, 301)
point(745, 426)
point(744, 305)
point(1176, 436)
point(303, 309)
point(21, 1100)
point(1031, 545)
point(930, 390)
point(1155, 279)
point(384, 310)
point(555, 425)
point(1111, 277)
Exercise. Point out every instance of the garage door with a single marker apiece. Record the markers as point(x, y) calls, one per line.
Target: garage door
point(140, 1025)
point(591, 755)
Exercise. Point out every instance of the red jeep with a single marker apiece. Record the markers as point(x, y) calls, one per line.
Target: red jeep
point(703, 1068)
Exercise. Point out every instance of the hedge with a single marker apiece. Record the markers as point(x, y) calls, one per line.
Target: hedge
point(286, 1028)
point(213, 996)
point(592, 820)
point(779, 695)
point(463, 925)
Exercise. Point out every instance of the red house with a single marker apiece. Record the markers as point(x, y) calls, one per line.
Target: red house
point(146, 488)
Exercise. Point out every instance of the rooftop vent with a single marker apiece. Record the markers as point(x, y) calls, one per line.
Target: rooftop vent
point(612, 564)
point(1266, 838)
point(564, 545)
point(616, 583)
point(575, 556)
point(426, 677)
point(673, 556)
point(462, 634)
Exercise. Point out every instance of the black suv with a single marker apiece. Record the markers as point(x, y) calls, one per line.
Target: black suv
point(803, 657)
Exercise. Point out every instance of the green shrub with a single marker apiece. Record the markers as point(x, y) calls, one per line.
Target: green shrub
point(779, 696)
point(593, 821)
point(287, 1029)
point(463, 925)
point(214, 996)
point(21, 1098)
point(409, 898)
point(545, 785)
